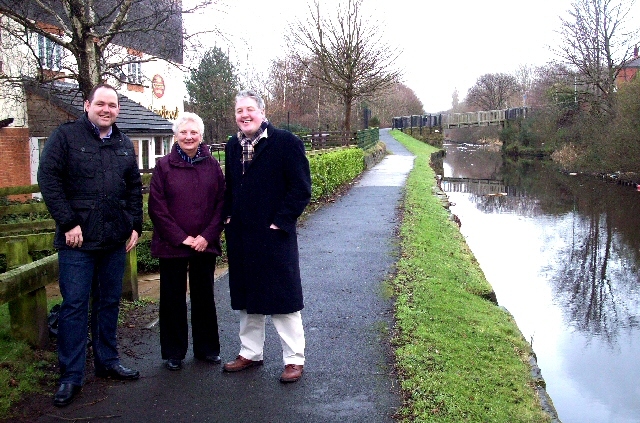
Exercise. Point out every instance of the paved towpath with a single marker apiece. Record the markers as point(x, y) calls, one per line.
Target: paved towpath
point(347, 249)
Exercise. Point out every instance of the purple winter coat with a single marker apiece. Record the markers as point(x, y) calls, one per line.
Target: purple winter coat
point(186, 199)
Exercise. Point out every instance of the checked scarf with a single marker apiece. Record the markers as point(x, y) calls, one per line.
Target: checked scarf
point(248, 144)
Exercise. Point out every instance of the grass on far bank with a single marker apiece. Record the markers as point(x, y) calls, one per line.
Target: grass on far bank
point(460, 357)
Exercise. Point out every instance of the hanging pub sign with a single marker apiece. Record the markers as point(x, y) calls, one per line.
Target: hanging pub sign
point(157, 83)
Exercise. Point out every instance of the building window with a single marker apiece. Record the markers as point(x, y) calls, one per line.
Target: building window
point(144, 153)
point(49, 53)
point(41, 142)
point(134, 72)
point(162, 146)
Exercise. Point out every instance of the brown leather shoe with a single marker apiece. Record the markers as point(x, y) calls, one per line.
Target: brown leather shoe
point(292, 373)
point(240, 363)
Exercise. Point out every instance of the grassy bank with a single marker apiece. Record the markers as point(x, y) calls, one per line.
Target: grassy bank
point(460, 357)
point(23, 370)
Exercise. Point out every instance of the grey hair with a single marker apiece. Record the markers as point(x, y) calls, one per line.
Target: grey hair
point(188, 117)
point(251, 94)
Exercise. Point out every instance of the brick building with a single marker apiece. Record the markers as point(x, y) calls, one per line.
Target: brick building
point(630, 69)
point(151, 88)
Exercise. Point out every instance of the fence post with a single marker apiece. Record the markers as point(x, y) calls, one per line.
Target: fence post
point(130, 279)
point(28, 314)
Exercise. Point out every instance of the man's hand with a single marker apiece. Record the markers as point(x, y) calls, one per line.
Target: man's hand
point(132, 241)
point(73, 237)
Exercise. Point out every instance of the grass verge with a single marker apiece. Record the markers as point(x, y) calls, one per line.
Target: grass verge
point(460, 357)
point(23, 370)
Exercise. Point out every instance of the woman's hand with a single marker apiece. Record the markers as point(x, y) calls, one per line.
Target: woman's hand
point(199, 244)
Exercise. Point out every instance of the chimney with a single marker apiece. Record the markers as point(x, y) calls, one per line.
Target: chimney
point(635, 52)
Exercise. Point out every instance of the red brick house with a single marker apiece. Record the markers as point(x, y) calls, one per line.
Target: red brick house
point(630, 69)
point(150, 83)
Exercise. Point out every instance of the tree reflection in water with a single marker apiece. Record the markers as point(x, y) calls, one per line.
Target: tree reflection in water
point(562, 253)
point(595, 276)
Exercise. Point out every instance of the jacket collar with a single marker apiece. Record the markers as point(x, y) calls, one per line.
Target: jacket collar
point(176, 160)
point(264, 142)
point(115, 131)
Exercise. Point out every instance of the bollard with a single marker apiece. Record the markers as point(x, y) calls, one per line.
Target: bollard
point(130, 279)
point(28, 313)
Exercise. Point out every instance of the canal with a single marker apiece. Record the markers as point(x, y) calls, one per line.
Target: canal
point(562, 253)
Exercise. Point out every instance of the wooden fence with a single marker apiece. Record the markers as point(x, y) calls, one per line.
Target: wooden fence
point(22, 286)
point(323, 140)
point(363, 139)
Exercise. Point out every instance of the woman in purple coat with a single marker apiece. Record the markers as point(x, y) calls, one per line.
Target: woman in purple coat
point(185, 206)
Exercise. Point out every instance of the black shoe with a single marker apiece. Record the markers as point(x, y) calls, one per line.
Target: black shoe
point(210, 358)
point(65, 394)
point(118, 371)
point(174, 364)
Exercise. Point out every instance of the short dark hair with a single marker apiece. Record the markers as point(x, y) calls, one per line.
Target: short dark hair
point(92, 93)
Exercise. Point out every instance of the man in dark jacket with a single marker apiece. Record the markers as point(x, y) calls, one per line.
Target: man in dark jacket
point(268, 187)
point(89, 179)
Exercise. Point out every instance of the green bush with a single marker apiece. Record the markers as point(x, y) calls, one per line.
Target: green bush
point(146, 179)
point(146, 263)
point(331, 170)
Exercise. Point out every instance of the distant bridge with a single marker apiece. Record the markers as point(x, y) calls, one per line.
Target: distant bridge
point(478, 186)
point(460, 120)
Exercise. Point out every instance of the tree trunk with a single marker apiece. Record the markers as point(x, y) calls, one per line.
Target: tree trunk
point(89, 67)
point(348, 101)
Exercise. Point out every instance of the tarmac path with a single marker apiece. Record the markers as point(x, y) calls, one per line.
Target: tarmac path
point(347, 250)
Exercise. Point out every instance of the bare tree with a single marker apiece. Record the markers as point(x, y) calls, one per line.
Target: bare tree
point(397, 100)
point(553, 86)
point(291, 99)
point(492, 91)
point(86, 31)
point(344, 54)
point(455, 100)
point(595, 42)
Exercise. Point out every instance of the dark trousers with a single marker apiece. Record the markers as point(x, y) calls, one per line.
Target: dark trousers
point(173, 307)
point(84, 275)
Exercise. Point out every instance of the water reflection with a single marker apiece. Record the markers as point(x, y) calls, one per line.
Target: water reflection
point(562, 254)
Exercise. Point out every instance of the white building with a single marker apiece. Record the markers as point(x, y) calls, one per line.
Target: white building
point(150, 82)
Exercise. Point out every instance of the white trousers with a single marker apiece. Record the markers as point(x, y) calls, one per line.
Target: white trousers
point(289, 328)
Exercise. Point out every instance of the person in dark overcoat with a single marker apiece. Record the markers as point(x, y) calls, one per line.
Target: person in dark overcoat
point(268, 187)
point(186, 196)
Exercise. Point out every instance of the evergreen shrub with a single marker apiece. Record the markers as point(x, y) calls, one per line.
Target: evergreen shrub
point(331, 170)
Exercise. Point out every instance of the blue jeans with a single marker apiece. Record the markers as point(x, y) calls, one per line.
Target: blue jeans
point(83, 275)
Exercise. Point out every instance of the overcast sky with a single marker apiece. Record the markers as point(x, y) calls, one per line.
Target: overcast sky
point(446, 45)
